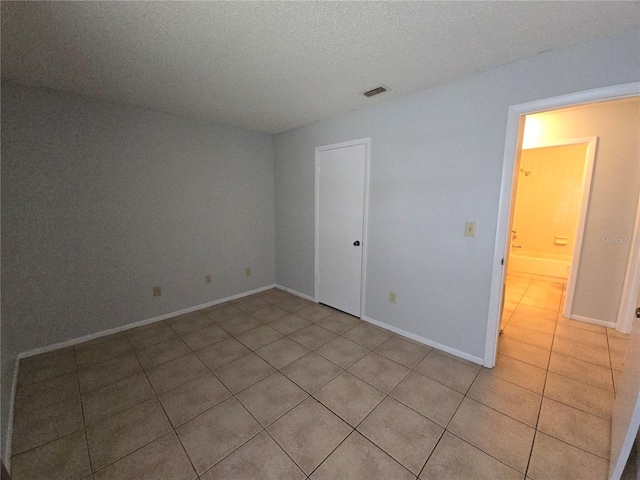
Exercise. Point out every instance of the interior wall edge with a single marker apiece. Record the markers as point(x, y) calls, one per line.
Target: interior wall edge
point(594, 321)
point(296, 293)
point(6, 455)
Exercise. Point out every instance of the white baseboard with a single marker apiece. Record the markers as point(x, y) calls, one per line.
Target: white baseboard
point(426, 341)
point(12, 402)
point(104, 333)
point(594, 321)
point(297, 294)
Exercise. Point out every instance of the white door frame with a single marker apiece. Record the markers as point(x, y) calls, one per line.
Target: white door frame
point(510, 149)
point(587, 175)
point(365, 237)
point(631, 286)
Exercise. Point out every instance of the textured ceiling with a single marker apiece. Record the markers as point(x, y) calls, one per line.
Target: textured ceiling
point(272, 66)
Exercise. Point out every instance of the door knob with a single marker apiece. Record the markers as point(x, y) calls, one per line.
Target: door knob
point(356, 243)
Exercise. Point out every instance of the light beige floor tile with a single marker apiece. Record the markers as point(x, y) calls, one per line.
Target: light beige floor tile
point(339, 322)
point(521, 373)
point(349, 397)
point(582, 336)
point(311, 371)
point(309, 433)
point(587, 398)
point(524, 352)
point(359, 459)
point(549, 301)
point(553, 459)
point(576, 427)
point(401, 432)
point(250, 303)
point(367, 335)
point(116, 397)
point(586, 353)
point(162, 459)
point(269, 313)
point(289, 324)
point(447, 371)
point(581, 325)
point(221, 313)
point(47, 392)
point(282, 352)
point(275, 295)
point(221, 353)
point(616, 380)
point(37, 427)
point(583, 371)
point(176, 372)
point(95, 376)
point(258, 337)
point(612, 332)
point(192, 398)
point(212, 435)
point(379, 371)
point(147, 335)
point(494, 433)
point(45, 366)
point(271, 397)
point(403, 351)
point(93, 354)
point(312, 336)
point(524, 311)
point(295, 304)
point(313, 313)
point(428, 397)
point(243, 372)
point(455, 459)
point(238, 324)
point(259, 459)
point(205, 337)
point(62, 459)
point(507, 398)
point(617, 344)
point(190, 322)
point(617, 360)
point(526, 335)
point(342, 352)
point(122, 434)
point(162, 352)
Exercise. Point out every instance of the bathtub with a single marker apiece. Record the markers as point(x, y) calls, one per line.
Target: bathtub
point(536, 263)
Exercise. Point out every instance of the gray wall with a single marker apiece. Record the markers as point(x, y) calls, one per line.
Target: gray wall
point(436, 160)
point(101, 202)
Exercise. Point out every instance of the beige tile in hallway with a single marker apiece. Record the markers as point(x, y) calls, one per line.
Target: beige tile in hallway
point(272, 386)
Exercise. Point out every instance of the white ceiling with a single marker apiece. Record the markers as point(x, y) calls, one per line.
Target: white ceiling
point(273, 66)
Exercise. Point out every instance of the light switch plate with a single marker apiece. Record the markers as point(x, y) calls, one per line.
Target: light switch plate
point(470, 229)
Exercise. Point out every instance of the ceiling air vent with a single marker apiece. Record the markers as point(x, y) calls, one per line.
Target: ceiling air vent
point(376, 91)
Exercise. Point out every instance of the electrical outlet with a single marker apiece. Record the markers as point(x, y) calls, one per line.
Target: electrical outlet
point(157, 291)
point(470, 229)
point(247, 272)
point(208, 279)
point(392, 297)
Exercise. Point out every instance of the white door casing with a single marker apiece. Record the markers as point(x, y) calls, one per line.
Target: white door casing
point(341, 200)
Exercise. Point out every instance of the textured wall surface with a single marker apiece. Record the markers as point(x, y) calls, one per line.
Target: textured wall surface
point(436, 160)
point(101, 202)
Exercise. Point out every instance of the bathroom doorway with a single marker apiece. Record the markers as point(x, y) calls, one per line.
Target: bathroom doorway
point(551, 189)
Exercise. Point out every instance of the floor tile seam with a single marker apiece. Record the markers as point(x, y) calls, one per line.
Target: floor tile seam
point(444, 430)
point(344, 419)
point(287, 453)
point(128, 407)
point(528, 330)
point(497, 411)
point(422, 414)
point(524, 361)
point(582, 381)
point(485, 452)
point(438, 381)
point(579, 381)
point(577, 408)
point(513, 383)
point(371, 384)
point(22, 384)
point(571, 444)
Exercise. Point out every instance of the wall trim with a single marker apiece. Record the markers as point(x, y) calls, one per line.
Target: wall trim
point(425, 341)
point(129, 326)
point(594, 321)
point(296, 293)
point(12, 402)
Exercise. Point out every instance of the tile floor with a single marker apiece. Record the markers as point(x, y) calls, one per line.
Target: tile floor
point(275, 387)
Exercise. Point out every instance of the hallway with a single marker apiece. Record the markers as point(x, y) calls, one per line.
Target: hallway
point(575, 366)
